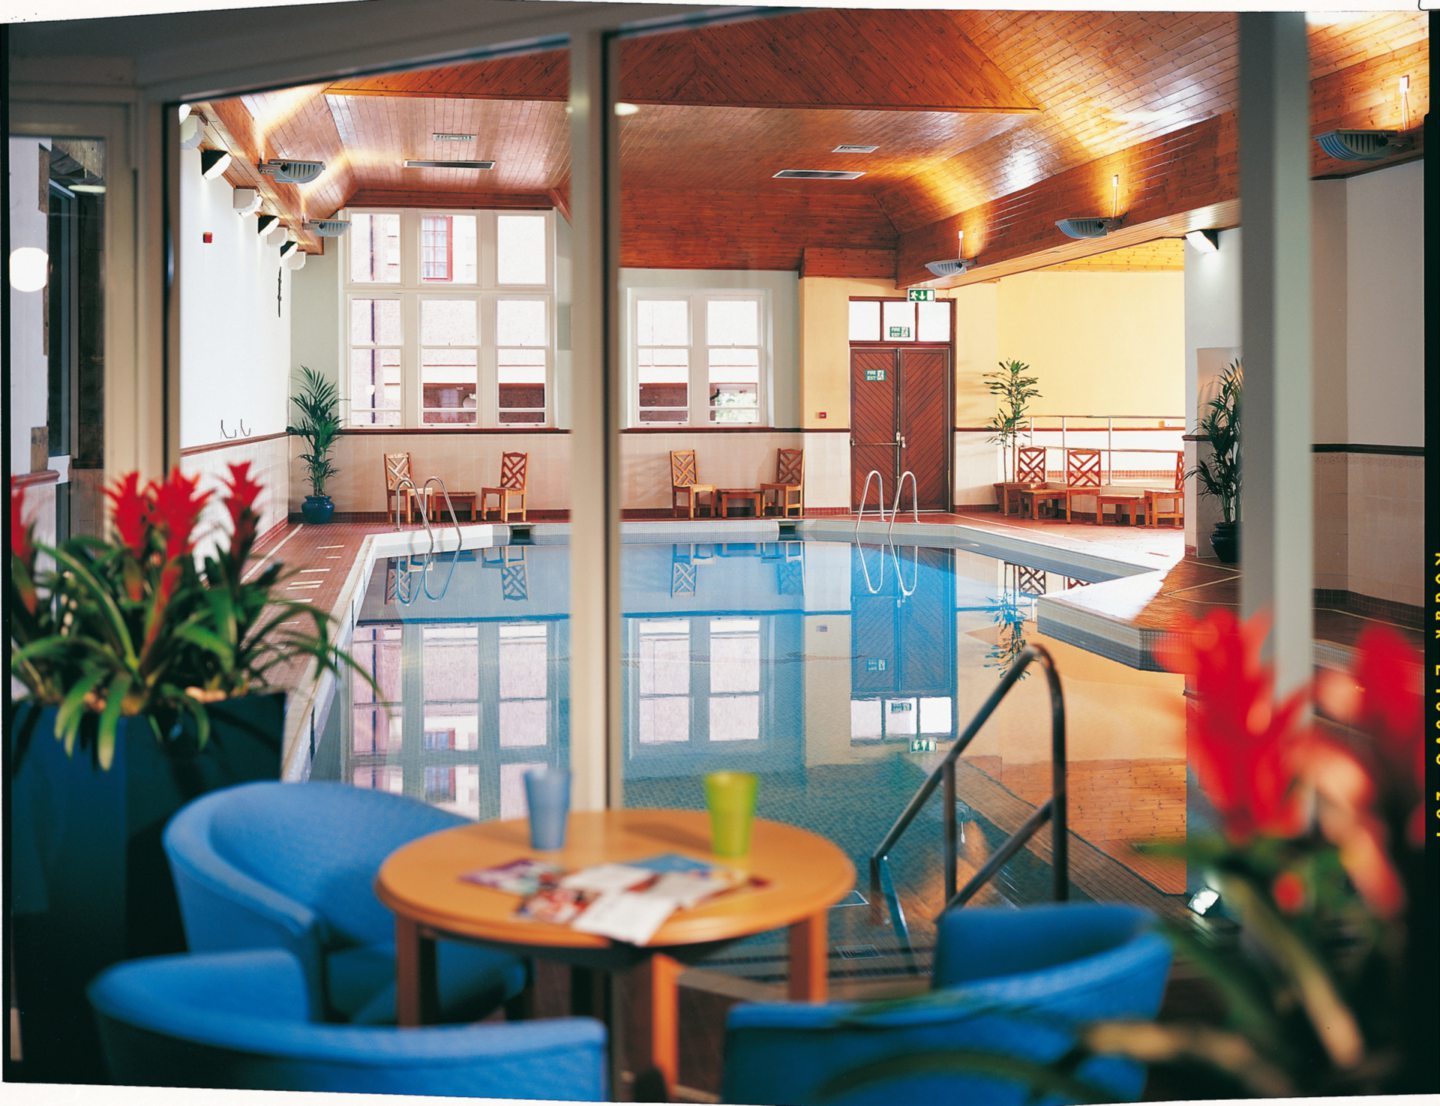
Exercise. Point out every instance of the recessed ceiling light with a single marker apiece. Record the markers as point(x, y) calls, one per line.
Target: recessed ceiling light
point(86, 188)
point(852, 148)
point(622, 108)
point(415, 163)
point(452, 136)
point(817, 174)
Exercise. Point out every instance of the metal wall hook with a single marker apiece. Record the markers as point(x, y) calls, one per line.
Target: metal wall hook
point(243, 432)
point(226, 436)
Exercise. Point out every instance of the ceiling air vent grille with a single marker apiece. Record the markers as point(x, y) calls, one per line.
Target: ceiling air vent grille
point(452, 136)
point(817, 174)
point(1361, 145)
point(292, 171)
point(328, 228)
point(851, 148)
point(448, 164)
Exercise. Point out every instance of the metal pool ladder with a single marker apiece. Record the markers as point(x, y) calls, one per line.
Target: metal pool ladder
point(873, 474)
point(899, 491)
point(405, 482)
point(1053, 811)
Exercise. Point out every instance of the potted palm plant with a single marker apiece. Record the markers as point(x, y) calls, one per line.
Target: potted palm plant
point(317, 400)
point(150, 677)
point(1015, 390)
point(1219, 473)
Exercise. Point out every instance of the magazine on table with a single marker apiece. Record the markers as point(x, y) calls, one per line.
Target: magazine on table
point(626, 902)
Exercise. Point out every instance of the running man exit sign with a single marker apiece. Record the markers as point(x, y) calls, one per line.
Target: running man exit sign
point(920, 295)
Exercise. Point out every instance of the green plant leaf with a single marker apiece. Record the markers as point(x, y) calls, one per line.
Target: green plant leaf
point(72, 710)
point(110, 720)
point(111, 618)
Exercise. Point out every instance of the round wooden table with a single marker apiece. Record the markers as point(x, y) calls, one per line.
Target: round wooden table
point(804, 875)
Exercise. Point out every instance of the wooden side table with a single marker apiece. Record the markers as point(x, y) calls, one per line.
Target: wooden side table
point(804, 875)
point(754, 495)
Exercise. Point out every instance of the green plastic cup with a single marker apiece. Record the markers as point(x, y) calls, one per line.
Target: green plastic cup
point(730, 796)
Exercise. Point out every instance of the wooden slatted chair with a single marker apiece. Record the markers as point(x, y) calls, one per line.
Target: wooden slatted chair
point(1030, 478)
point(1168, 503)
point(1082, 477)
point(397, 470)
point(513, 470)
point(789, 481)
point(684, 477)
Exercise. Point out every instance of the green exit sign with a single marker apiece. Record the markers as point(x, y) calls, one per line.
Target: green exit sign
point(899, 332)
point(920, 295)
point(874, 374)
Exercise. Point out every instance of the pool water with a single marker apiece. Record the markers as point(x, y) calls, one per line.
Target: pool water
point(837, 672)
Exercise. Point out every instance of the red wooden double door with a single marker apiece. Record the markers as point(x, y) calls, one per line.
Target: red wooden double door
point(900, 417)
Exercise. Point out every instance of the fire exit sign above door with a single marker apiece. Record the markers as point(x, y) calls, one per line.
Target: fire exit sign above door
point(920, 295)
point(874, 374)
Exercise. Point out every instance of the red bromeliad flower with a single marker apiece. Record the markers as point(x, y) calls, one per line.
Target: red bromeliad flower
point(1245, 749)
point(241, 494)
point(131, 509)
point(22, 544)
point(177, 509)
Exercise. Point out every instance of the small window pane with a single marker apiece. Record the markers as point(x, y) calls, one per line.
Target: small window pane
point(520, 249)
point(900, 720)
point(448, 385)
point(375, 248)
point(735, 718)
point(523, 661)
point(447, 249)
point(733, 322)
point(375, 322)
point(662, 323)
point(934, 321)
point(512, 788)
point(664, 720)
point(935, 715)
point(864, 321)
point(899, 319)
point(520, 323)
point(523, 722)
point(386, 777)
point(865, 718)
point(448, 323)
point(375, 387)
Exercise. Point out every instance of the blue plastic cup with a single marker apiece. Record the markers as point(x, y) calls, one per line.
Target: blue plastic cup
point(547, 795)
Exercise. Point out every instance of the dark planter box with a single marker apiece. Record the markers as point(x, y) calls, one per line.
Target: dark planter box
point(90, 885)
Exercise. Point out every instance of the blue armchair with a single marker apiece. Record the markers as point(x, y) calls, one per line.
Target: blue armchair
point(1005, 982)
point(292, 866)
point(245, 1020)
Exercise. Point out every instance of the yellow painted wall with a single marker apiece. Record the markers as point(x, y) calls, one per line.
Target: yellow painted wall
point(1101, 343)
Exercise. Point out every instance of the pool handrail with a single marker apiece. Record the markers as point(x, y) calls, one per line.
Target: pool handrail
point(873, 474)
point(400, 485)
point(1054, 810)
point(899, 491)
point(454, 519)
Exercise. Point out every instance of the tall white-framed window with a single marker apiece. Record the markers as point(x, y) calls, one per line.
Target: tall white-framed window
point(699, 358)
point(450, 318)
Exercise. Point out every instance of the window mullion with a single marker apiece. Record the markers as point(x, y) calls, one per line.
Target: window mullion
point(699, 361)
point(488, 396)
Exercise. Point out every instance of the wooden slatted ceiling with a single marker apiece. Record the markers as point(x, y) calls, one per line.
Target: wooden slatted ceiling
point(1161, 255)
point(1108, 87)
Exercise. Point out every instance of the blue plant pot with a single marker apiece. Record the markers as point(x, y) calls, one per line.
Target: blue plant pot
point(317, 509)
point(91, 885)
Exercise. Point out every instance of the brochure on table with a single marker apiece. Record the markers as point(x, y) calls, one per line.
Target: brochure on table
point(625, 902)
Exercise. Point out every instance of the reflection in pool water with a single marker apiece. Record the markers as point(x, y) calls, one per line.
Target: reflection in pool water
point(837, 672)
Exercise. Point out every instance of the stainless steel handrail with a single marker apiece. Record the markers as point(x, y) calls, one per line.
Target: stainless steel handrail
point(401, 484)
point(454, 519)
point(1053, 811)
point(906, 592)
point(873, 474)
point(870, 585)
point(899, 491)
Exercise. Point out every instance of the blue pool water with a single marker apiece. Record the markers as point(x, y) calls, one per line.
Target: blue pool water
point(837, 672)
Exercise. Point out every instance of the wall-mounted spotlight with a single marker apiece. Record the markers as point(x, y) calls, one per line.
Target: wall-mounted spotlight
point(955, 265)
point(1096, 226)
point(289, 247)
point(29, 268)
point(190, 132)
point(246, 201)
point(213, 163)
point(1206, 241)
point(183, 112)
point(266, 224)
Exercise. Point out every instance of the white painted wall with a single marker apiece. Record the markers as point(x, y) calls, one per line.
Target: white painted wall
point(1212, 324)
point(29, 370)
point(784, 290)
point(1385, 337)
point(234, 343)
point(316, 328)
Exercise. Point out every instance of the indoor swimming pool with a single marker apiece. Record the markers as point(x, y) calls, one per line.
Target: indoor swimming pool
point(837, 671)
